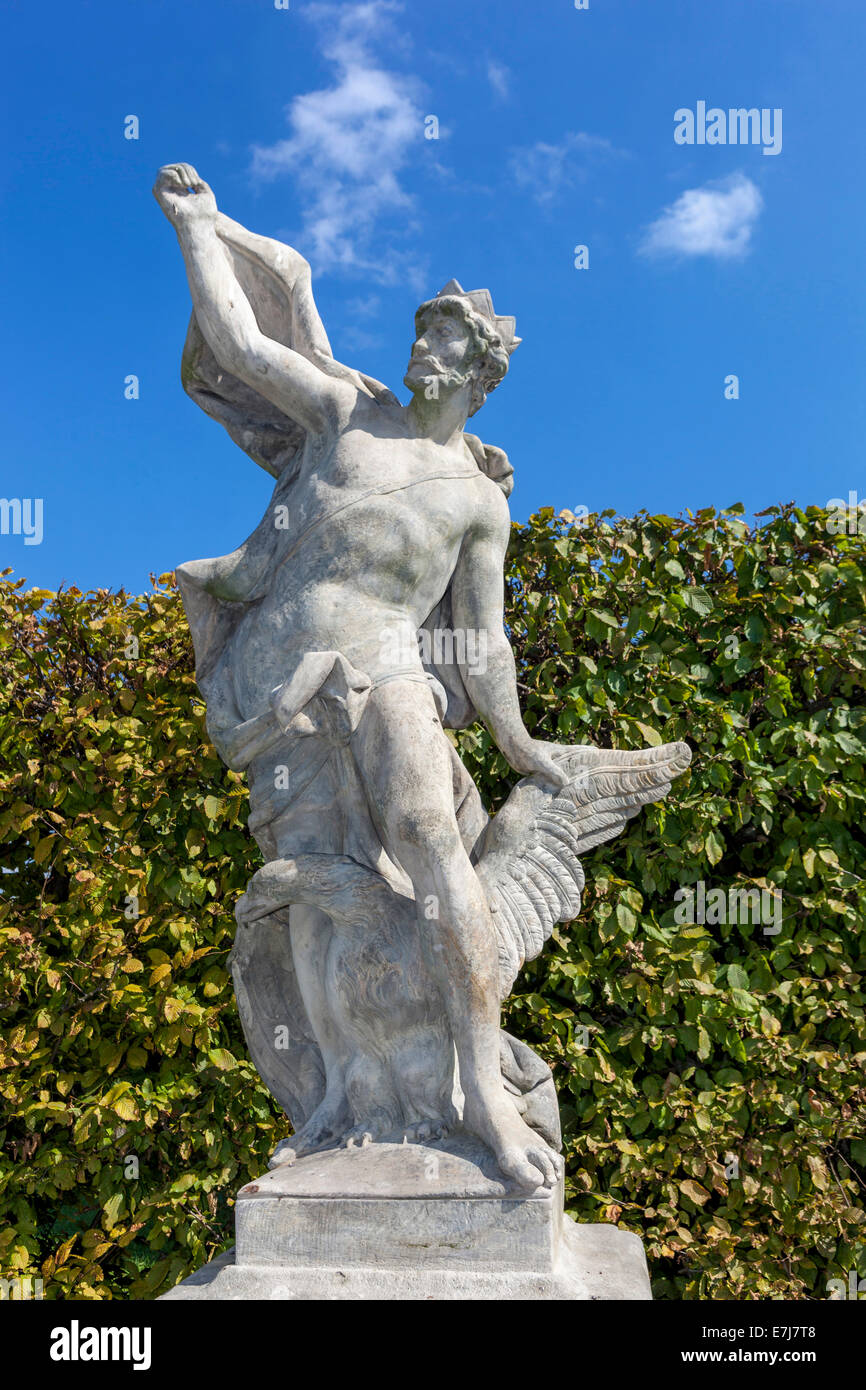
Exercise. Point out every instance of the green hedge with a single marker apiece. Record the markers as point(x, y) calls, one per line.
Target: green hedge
point(711, 1074)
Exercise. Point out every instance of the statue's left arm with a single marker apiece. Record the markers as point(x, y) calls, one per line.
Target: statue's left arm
point(477, 604)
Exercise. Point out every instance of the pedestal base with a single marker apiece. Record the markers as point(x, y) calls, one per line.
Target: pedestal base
point(413, 1222)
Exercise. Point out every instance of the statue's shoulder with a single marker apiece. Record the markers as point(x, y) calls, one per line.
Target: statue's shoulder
point(485, 513)
point(492, 462)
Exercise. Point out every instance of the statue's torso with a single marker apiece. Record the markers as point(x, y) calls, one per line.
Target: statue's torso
point(375, 525)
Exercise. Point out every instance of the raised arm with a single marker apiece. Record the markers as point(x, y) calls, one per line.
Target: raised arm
point(477, 605)
point(291, 267)
point(290, 381)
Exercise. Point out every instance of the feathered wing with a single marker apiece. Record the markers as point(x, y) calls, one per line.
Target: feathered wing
point(528, 857)
point(275, 1023)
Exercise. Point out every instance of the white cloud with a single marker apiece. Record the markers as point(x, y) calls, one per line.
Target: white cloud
point(546, 170)
point(348, 144)
point(360, 340)
point(364, 306)
point(359, 311)
point(499, 77)
point(716, 220)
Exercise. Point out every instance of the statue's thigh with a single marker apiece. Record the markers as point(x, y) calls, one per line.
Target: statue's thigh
point(404, 759)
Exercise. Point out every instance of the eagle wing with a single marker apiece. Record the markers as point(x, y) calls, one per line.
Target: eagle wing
point(528, 857)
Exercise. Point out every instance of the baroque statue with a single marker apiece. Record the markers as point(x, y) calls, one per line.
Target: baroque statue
point(361, 620)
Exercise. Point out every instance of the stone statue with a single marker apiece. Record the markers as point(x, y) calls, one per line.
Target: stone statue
point(361, 619)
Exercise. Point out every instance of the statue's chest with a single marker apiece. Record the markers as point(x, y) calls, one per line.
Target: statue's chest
point(361, 461)
point(368, 476)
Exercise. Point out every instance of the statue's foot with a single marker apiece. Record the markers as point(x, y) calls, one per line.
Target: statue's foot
point(323, 1129)
point(521, 1154)
point(358, 1137)
point(368, 1132)
point(283, 1154)
point(425, 1131)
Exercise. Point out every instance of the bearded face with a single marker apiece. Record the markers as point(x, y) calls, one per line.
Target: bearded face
point(445, 351)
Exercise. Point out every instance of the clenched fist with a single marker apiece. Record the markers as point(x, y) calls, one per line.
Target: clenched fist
point(183, 196)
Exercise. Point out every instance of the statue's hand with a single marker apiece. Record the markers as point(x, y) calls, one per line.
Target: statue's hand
point(183, 196)
point(533, 760)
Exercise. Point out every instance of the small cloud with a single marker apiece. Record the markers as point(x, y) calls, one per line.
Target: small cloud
point(716, 220)
point(546, 170)
point(359, 340)
point(357, 335)
point(349, 143)
point(499, 77)
point(363, 307)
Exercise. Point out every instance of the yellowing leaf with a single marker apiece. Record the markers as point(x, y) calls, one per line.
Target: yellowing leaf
point(222, 1058)
point(126, 1108)
point(695, 1191)
point(652, 736)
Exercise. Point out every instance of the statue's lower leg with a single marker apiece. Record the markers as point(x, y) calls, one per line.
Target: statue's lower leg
point(464, 959)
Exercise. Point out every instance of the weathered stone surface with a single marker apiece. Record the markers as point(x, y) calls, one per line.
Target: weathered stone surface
point(413, 1221)
point(361, 619)
point(397, 1205)
point(595, 1262)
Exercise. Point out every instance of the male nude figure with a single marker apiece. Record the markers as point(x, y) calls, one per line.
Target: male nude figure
point(408, 513)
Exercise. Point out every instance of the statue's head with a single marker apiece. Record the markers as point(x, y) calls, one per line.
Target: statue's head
point(460, 340)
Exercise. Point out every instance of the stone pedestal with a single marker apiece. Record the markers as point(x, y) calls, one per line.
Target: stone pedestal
point(413, 1221)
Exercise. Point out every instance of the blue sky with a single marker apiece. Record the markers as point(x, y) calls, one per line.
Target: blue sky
point(556, 129)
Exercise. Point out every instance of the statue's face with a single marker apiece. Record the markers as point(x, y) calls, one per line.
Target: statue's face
point(444, 350)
